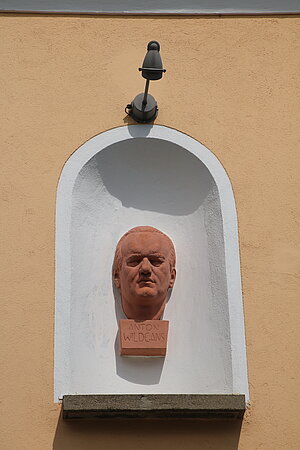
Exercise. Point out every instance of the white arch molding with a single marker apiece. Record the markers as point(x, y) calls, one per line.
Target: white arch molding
point(148, 175)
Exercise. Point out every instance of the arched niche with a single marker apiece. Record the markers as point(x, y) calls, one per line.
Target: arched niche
point(148, 175)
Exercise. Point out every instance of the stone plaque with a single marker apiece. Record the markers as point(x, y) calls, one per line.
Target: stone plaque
point(143, 338)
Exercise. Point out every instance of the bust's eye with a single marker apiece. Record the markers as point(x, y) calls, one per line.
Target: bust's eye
point(134, 261)
point(156, 262)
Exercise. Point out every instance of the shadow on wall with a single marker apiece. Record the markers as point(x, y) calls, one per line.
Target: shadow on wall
point(146, 434)
point(154, 175)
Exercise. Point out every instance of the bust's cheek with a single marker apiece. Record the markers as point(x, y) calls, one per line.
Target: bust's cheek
point(128, 272)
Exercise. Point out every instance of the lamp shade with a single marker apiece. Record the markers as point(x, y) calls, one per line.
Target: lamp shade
point(152, 68)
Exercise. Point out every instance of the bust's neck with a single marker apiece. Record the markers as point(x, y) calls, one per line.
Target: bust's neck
point(138, 312)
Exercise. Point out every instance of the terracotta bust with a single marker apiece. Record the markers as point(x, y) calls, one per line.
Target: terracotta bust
point(144, 271)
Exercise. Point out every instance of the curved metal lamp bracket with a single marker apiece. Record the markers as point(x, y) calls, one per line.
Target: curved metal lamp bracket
point(143, 108)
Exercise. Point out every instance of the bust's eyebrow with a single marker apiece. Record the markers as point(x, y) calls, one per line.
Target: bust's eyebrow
point(136, 253)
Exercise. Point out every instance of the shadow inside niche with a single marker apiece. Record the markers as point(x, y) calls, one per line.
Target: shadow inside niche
point(154, 175)
point(146, 434)
point(138, 370)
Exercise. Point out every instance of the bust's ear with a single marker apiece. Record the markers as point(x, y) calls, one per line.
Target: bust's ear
point(117, 279)
point(173, 276)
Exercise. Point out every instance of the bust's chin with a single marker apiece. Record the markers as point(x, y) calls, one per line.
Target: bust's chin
point(146, 291)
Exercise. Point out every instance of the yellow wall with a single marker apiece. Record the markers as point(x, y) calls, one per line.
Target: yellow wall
point(232, 84)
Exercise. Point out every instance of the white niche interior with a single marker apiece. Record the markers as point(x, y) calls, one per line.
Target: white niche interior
point(148, 175)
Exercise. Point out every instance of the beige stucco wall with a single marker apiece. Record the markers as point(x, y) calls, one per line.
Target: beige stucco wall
point(233, 84)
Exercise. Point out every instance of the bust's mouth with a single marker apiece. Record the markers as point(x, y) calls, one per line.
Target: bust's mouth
point(145, 282)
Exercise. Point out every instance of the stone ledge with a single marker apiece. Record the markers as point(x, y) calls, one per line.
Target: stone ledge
point(202, 406)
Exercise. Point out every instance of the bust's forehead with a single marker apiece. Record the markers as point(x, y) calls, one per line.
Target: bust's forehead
point(145, 243)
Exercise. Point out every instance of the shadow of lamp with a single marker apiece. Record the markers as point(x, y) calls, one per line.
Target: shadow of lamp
point(144, 108)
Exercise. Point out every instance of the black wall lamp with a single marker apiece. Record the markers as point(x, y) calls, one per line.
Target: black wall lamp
point(144, 107)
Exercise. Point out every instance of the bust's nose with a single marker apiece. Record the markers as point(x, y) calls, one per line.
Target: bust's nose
point(145, 267)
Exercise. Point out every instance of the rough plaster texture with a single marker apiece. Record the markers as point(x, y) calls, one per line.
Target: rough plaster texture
point(232, 83)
